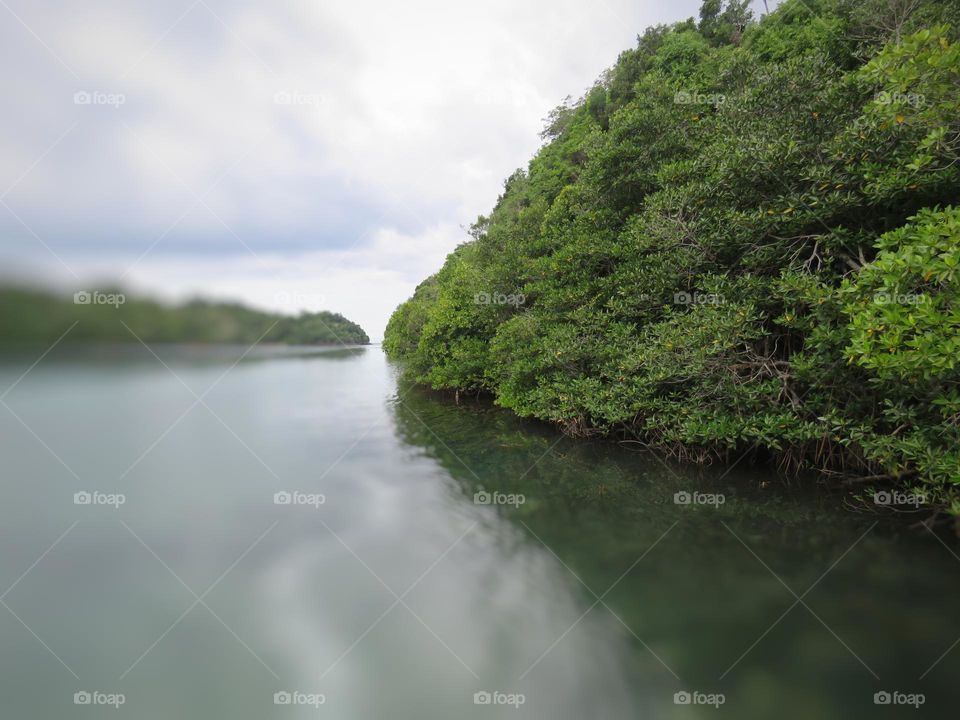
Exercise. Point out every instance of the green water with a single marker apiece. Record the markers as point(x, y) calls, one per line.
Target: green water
point(400, 596)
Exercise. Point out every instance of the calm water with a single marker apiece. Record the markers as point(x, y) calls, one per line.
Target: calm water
point(400, 596)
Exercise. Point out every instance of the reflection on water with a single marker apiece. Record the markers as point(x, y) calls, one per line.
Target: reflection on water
point(400, 596)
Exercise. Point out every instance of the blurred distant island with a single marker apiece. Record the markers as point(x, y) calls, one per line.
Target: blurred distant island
point(36, 316)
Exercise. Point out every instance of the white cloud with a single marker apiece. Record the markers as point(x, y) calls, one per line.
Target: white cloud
point(408, 116)
point(364, 282)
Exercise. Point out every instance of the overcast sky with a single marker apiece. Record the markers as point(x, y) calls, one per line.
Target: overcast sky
point(289, 154)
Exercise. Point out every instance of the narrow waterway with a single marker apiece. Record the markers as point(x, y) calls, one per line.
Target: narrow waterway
point(213, 536)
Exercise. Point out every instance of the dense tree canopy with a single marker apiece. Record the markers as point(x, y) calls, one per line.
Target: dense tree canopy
point(744, 237)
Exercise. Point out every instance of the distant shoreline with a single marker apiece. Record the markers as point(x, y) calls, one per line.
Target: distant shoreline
point(110, 315)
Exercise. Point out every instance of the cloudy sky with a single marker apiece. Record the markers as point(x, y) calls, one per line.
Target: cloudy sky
point(290, 154)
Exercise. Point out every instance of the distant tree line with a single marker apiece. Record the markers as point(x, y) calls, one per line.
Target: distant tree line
point(32, 316)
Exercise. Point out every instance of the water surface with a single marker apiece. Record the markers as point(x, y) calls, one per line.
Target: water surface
point(401, 595)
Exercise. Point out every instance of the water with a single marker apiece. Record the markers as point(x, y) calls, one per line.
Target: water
point(400, 596)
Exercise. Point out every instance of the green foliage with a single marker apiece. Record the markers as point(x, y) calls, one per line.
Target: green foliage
point(720, 24)
point(721, 246)
point(904, 307)
point(29, 316)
